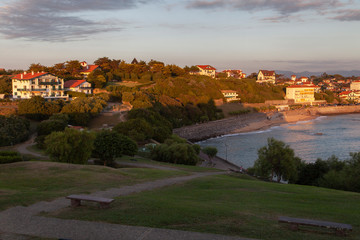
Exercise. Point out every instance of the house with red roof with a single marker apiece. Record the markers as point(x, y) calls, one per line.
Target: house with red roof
point(350, 95)
point(87, 69)
point(78, 86)
point(265, 76)
point(206, 70)
point(301, 93)
point(28, 84)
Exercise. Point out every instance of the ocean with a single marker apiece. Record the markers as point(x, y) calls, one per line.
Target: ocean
point(319, 138)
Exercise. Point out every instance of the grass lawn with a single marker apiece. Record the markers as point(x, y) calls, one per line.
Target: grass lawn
point(24, 183)
point(138, 159)
point(231, 205)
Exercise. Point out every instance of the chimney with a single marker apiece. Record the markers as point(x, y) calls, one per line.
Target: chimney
point(32, 72)
point(21, 76)
point(24, 73)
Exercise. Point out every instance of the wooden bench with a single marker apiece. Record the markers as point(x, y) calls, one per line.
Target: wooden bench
point(340, 228)
point(76, 200)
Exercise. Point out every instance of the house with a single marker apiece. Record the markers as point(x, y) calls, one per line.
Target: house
point(46, 85)
point(87, 69)
point(355, 85)
point(265, 76)
point(2, 69)
point(206, 70)
point(350, 95)
point(230, 95)
point(293, 77)
point(301, 93)
point(235, 73)
point(78, 86)
point(134, 61)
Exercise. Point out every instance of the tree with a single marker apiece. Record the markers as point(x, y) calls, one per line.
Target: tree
point(278, 159)
point(110, 144)
point(13, 130)
point(37, 108)
point(73, 67)
point(70, 146)
point(210, 152)
point(37, 67)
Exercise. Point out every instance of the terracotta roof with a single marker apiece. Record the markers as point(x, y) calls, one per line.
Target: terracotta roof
point(206, 67)
point(90, 68)
point(28, 76)
point(345, 93)
point(73, 83)
point(302, 86)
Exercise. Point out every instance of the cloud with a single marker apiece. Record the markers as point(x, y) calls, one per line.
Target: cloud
point(57, 20)
point(348, 15)
point(283, 7)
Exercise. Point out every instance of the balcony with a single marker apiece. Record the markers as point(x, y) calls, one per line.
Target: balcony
point(49, 83)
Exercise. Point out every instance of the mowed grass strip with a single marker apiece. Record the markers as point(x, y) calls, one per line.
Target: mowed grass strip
point(24, 183)
point(231, 206)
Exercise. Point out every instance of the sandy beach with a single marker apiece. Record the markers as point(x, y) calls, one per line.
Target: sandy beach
point(258, 121)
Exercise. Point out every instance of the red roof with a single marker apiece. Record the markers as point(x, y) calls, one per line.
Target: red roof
point(267, 73)
point(302, 86)
point(28, 76)
point(345, 93)
point(73, 83)
point(206, 67)
point(90, 68)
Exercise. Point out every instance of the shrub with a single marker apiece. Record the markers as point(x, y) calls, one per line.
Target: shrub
point(10, 159)
point(13, 130)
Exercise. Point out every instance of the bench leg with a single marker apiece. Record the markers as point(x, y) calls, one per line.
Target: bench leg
point(294, 226)
point(75, 202)
point(104, 205)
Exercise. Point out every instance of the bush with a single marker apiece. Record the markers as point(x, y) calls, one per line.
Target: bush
point(176, 150)
point(10, 159)
point(8, 153)
point(13, 130)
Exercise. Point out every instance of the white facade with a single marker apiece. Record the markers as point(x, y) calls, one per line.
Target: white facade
point(230, 95)
point(301, 94)
point(46, 85)
point(265, 76)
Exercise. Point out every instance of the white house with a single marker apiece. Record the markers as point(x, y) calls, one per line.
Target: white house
point(78, 86)
point(301, 93)
point(87, 69)
point(230, 95)
point(265, 76)
point(206, 70)
point(46, 85)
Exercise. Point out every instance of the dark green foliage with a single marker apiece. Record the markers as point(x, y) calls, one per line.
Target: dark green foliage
point(278, 159)
point(37, 108)
point(174, 152)
point(5, 85)
point(313, 173)
point(13, 130)
point(70, 146)
point(239, 112)
point(8, 153)
point(9, 157)
point(81, 110)
point(137, 129)
point(73, 94)
point(48, 126)
point(110, 144)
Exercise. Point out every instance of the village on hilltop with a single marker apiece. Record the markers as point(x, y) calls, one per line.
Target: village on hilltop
point(299, 90)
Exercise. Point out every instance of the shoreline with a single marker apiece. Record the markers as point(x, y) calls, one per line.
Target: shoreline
point(258, 122)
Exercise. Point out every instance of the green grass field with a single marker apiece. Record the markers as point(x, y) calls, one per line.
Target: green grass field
point(24, 183)
point(231, 206)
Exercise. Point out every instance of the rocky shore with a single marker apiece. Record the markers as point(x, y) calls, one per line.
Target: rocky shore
point(258, 121)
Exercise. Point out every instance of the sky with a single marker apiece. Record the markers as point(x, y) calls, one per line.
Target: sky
point(292, 35)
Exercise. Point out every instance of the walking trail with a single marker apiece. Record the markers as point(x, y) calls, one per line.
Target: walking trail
point(19, 221)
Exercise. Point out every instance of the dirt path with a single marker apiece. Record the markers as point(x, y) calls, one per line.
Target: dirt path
point(22, 148)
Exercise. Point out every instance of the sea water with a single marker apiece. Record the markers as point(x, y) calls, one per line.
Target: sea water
point(319, 138)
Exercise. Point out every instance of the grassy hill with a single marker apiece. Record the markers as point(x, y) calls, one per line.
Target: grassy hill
point(231, 205)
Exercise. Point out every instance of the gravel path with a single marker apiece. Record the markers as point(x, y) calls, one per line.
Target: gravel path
point(19, 221)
